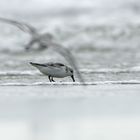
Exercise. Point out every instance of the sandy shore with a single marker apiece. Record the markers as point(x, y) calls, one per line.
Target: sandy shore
point(69, 91)
point(102, 112)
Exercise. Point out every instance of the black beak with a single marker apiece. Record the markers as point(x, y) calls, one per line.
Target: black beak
point(73, 78)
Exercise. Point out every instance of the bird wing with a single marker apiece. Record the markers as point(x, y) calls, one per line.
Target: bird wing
point(21, 25)
point(51, 64)
point(58, 65)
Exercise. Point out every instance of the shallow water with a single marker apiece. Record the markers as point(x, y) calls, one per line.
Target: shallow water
point(103, 37)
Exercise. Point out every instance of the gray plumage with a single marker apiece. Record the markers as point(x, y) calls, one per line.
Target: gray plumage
point(58, 70)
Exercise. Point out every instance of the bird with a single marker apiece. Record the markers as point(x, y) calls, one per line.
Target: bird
point(52, 70)
point(36, 37)
point(45, 41)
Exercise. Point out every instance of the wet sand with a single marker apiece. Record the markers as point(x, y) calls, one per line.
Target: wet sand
point(101, 112)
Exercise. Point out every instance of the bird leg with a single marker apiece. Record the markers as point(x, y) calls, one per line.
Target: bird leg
point(52, 79)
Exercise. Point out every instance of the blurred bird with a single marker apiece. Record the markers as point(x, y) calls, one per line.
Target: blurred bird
point(44, 41)
point(57, 70)
point(36, 37)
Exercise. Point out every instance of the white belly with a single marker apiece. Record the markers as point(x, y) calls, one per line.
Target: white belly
point(54, 72)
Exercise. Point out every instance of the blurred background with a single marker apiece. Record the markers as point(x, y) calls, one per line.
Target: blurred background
point(103, 36)
point(96, 32)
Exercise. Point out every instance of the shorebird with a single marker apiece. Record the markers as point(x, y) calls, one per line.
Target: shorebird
point(52, 70)
point(45, 41)
point(36, 37)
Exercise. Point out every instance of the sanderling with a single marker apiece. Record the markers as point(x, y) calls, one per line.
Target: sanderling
point(57, 70)
point(45, 40)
